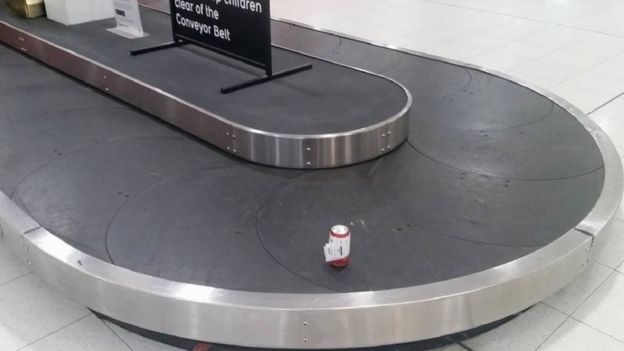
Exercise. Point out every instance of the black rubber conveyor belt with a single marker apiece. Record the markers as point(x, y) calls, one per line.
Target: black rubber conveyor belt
point(130, 190)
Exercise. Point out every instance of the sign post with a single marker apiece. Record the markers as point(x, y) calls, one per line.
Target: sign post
point(239, 29)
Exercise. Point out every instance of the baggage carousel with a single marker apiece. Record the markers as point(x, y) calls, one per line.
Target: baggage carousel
point(490, 205)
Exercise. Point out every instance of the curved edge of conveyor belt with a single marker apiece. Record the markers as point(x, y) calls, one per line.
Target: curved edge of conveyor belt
point(299, 151)
point(319, 321)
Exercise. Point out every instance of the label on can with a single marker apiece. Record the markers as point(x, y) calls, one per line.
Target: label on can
point(339, 245)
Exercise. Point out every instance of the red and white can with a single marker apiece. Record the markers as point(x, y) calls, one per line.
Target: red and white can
point(337, 250)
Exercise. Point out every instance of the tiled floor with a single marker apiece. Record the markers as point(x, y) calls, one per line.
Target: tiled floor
point(575, 48)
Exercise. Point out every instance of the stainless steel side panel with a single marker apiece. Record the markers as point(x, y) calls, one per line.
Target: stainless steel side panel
point(307, 321)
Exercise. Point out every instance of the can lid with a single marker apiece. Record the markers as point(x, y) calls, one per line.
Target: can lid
point(340, 229)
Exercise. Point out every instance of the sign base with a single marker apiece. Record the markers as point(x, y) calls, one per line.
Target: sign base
point(265, 79)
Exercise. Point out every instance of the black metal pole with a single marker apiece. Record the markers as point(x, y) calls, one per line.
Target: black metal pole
point(267, 78)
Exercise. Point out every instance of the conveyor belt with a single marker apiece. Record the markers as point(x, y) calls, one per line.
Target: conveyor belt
point(493, 172)
point(173, 207)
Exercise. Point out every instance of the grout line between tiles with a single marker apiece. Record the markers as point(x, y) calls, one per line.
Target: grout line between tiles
point(598, 330)
point(115, 333)
point(16, 278)
point(553, 332)
point(593, 291)
point(606, 103)
point(55, 331)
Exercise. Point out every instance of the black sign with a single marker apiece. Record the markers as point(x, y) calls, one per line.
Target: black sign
point(240, 29)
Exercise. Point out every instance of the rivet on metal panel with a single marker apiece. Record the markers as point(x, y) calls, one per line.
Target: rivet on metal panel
point(308, 148)
point(309, 163)
point(305, 340)
point(383, 149)
point(228, 147)
point(29, 262)
point(233, 136)
point(383, 135)
point(227, 133)
point(389, 132)
point(305, 324)
point(234, 150)
point(106, 89)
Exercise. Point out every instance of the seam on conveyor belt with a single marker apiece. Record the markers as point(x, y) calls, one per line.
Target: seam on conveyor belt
point(259, 237)
point(501, 177)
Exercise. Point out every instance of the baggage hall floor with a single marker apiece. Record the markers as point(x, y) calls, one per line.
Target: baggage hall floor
point(573, 48)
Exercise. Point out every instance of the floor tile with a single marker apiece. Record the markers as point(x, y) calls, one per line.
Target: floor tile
point(86, 334)
point(10, 266)
point(576, 336)
point(583, 98)
point(580, 62)
point(608, 247)
point(543, 73)
point(609, 86)
point(613, 127)
point(29, 310)
point(525, 333)
point(614, 109)
point(501, 61)
point(137, 342)
point(604, 310)
point(568, 299)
